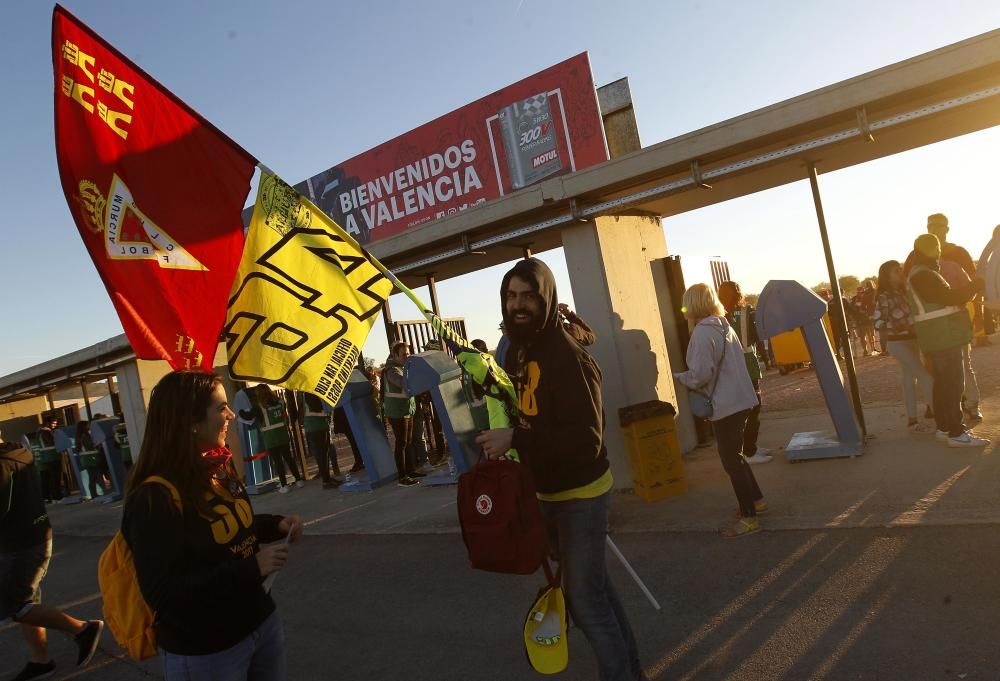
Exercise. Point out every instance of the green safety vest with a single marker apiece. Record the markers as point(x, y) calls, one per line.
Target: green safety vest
point(314, 421)
point(272, 430)
point(396, 404)
point(121, 438)
point(43, 454)
point(938, 327)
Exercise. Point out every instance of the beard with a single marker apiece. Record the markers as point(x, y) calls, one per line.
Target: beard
point(523, 332)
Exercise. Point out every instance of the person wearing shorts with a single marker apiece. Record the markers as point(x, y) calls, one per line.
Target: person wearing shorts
point(25, 552)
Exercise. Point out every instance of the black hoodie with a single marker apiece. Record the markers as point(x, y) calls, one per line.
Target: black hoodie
point(561, 437)
point(23, 519)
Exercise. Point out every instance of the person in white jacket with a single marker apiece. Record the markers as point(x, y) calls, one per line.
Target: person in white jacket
point(717, 370)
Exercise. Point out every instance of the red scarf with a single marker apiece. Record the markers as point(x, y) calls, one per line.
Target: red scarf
point(215, 461)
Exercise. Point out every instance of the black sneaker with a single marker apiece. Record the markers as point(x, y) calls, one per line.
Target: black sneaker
point(332, 483)
point(87, 640)
point(34, 670)
point(416, 474)
point(406, 481)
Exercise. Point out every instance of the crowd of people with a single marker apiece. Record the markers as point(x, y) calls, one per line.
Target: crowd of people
point(923, 310)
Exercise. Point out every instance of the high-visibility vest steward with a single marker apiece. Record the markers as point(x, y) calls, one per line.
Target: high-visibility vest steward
point(272, 429)
point(314, 421)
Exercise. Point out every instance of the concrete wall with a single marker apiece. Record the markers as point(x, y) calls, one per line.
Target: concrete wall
point(29, 407)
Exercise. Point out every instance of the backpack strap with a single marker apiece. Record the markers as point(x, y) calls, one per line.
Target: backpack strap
point(174, 494)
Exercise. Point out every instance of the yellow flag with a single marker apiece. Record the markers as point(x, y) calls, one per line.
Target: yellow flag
point(304, 299)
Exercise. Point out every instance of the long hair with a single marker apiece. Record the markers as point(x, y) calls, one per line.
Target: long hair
point(885, 276)
point(169, 449)
point(736, 289)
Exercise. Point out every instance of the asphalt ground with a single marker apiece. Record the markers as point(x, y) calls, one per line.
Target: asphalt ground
point(891, 603)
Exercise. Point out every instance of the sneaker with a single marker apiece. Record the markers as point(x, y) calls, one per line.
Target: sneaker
point(300, 483)
point(406, 482)
point(34, 670)
point(332, 484)
point(760, 457)
point(941, 436)
point(967, 440)
point(284, 489)
point(87, 640)
point(416, 474)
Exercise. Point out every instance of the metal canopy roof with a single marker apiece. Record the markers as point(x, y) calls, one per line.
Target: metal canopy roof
point(99, 359)
point(933, 97)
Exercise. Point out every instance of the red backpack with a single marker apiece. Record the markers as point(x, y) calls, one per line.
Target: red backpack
point(501, 521)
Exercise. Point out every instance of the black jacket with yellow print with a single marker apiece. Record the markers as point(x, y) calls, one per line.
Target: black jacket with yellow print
point(561, 437)
point(199, 575)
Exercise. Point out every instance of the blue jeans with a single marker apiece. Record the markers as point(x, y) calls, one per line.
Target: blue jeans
point(258, 657)
point(949, 385)
point(577, 531)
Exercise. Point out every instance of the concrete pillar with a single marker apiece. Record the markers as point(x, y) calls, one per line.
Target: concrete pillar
point(670, 304)
point(86, 400)
point(610, 262)
point(620, 128)
point(136, 380)
point(132, 403)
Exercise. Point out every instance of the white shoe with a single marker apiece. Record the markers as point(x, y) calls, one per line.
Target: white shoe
point(300, 483)
point(941, 436)
point(967, 440)
point(760, 457)
point(284, 489)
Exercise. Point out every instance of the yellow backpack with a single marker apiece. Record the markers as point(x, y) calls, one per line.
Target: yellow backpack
point(126, 612)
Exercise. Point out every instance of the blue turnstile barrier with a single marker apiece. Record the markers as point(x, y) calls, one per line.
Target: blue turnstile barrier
point(369, 433)
point(788, 305)
point(258, 475)
point(440, 375)
point(103, 434)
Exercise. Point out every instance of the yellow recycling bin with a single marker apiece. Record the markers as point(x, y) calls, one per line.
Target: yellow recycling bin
point(654, 454)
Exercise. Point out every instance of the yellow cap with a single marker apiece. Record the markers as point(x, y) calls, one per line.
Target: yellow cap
point(545, 632)
point(927, 245)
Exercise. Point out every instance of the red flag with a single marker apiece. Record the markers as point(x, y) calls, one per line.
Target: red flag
point(156, 192)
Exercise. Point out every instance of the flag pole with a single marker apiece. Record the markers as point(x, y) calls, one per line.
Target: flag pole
point(632, 573)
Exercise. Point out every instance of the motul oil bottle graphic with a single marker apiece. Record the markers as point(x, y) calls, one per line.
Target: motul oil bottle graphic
point(529, 140)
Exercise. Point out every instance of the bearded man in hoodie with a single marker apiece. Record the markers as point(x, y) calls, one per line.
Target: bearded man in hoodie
point(561, 440)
